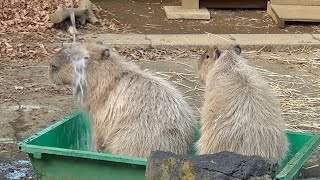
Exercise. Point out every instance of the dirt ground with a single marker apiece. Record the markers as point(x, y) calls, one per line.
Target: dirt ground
point(134, 16)
point(148, 16)
point(30, 102)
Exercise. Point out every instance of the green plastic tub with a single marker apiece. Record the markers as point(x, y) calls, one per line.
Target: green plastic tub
point(61, 151)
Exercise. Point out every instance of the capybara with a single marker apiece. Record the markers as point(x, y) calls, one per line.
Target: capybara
point(240, 113)
point(132, 111)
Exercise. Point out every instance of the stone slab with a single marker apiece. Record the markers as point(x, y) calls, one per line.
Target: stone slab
point(223, 165)
point(177, 12)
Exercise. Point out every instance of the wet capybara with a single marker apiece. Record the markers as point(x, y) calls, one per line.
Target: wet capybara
point(132, 111)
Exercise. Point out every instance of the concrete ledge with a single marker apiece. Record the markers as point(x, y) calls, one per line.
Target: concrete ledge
point(119, 39)
point(177, 12)
point(247, 41)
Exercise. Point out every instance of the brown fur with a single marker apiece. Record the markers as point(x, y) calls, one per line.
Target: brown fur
point(132, 111)
point(240, 113)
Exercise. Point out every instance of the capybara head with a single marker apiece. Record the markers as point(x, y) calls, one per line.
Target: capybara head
point(69, 63)
point(211, 55)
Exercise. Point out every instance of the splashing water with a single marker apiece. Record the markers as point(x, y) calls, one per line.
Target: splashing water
point(80, 78)
point(78, 61)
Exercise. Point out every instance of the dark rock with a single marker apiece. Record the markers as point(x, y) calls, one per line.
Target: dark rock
point(223, 165)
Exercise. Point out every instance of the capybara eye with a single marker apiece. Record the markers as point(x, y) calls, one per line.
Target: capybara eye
point(54, 67)
point(207, 56)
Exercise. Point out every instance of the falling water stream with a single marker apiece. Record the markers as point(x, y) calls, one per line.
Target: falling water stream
point(79, 64)
point(73, 22)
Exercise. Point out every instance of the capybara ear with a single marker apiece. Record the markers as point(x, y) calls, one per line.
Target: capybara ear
point(208, 54)
point(99, 42)
point(216, 52)
point(106, 53)
point(237, 49)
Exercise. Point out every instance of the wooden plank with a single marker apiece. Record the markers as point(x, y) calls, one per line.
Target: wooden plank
point(297, 2)
point(297, 13)
point(190, 4)
point(234, 4)
point(274, 16)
